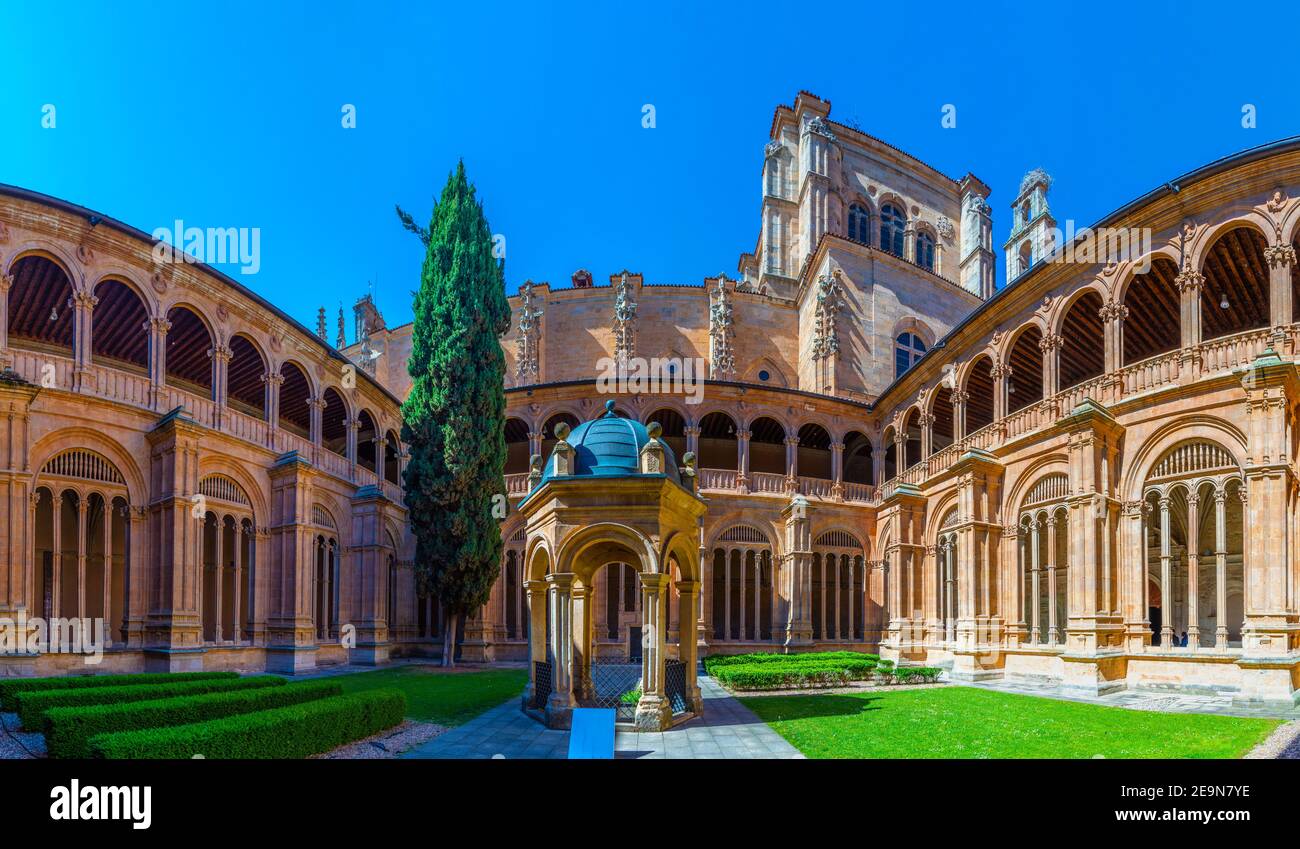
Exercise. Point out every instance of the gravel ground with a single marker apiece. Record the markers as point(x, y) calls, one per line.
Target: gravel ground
point(19, 745)
point(386, 744)
point(1282, 744)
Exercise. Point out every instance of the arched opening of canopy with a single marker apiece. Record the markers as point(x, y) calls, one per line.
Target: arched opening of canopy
point(1154, 322)
point(118, 335)
point(717, 449)
point(941, 433)
point(517, 455)
point(245, 390)
point(978, 407)
point(674, 430)
point(1025, 386)
point(295, 415)
point(1234, 295)
point(838, 584)
point(814, 452)
point(1083, 345)
point(334, 418)
point(39, 316)
point(548, 431)
point(767, 447)
point(857, 459)
point(912, 444)
point(189, 347)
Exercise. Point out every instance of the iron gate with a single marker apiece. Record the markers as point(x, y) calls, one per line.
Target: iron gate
point(675, 685)
point(541, 683)
point(615, 684)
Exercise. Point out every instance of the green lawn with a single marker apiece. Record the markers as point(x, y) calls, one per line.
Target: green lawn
point(447, 698)
point(962, 722)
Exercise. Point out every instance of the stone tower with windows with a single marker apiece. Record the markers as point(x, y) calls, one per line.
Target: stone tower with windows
point(1032, 225)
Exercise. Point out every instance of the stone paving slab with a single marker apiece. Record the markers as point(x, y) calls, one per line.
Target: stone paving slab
point(728, 729)
point(1154, 700)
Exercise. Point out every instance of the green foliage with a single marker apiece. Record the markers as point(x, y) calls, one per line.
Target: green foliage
point(9, 690)
point(719, 660)
point(453, 418)
point(631, 697)
point(32, 706)
point(294, 731)
point(917, 674)
point(69, 729)
point(797, 673)
point(442, 697)
point(967, 722)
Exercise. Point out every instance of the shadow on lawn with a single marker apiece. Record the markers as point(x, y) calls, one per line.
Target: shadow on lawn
point(776, 708)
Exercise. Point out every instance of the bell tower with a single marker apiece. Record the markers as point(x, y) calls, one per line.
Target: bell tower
point(1032, 225)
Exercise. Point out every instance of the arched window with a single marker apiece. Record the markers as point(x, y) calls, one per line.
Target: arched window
point(892, 225)
point(1025, 259)
point(859, 224)
point(907, 351)
point(925, 250)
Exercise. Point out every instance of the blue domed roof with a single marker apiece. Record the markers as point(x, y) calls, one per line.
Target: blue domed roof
point(609, 446)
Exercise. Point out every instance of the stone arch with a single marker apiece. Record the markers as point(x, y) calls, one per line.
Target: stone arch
point(912, 324)
point(518, 445)
point(1245, 217)
point(1153, 325)
point(119, 329)
point(587, 549)
point(1235, 293)
point(255, 489)
point(683, 549)
point(1083, 346)
point(538, 559)
point(767, 444)
point(38, 312)
point(1024, 353)
point(58, 441)
point(1172, 433)
point(190, 340)
point(1040, 467)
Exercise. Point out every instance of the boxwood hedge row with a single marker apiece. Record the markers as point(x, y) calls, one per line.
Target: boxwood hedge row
point(295, 731)
point(780, 676)
point(719, 660)
point(69, 729)
point(9, 690)
point(32, 706)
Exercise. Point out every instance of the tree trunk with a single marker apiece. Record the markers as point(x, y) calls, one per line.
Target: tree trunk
point(449, 624)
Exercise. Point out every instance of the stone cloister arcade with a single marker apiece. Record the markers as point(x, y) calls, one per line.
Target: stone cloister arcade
point(186, 462)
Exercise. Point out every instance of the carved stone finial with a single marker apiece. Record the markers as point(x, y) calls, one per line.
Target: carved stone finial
point(654, 429)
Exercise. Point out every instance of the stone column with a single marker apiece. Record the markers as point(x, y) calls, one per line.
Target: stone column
point(959, 399)
point(271, 382)
point(1013, 571)
point(537, 647)
point(561, 703)
point(1189, 283)
point(798, 568)
point(1193, 572)
point(157, 328)
point(653, 711)
point(726, 591)
point(687, 596)
point(83, 308)
point(950, 584)
point(107, 593)
point(1035, 632)
point(792, 464)
point(582, 602)
point(241, 552)
point(1166, 578)
point(1220, 568)
point(6, 357)
point(692, 440)
point(837, 470)
point(220, 355)
point(218, 607)
point(742, 460)
point(1053, 632)
point(1281, 260)
point(1134, 568)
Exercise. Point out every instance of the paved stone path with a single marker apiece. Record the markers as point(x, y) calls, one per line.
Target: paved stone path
point(728, 729)
point(1148, 700)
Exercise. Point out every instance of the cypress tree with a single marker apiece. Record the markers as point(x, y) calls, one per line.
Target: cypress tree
point(454, 417)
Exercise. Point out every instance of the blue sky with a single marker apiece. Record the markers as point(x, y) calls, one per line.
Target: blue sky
point(230, 117)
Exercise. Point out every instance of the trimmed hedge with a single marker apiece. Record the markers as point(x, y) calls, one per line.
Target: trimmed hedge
point(9, 690)
point(719, 660)
point(917, 674)
point(32, 706)
point(68, 729)
point(296, 731)
point(783, 676)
